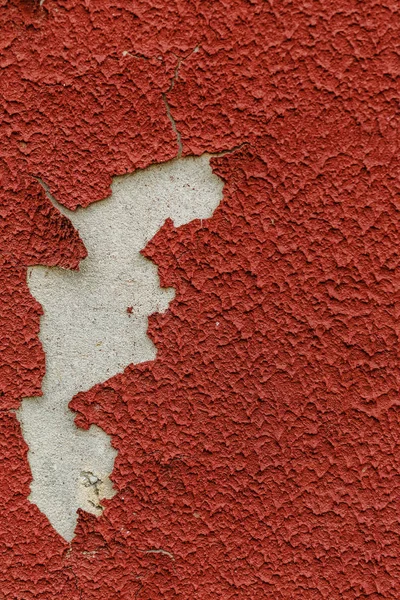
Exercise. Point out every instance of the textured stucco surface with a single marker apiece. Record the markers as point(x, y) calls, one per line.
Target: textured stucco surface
point(95, 325)
point(260, 449)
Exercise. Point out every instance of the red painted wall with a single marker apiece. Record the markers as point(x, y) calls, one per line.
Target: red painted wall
point(261, 449)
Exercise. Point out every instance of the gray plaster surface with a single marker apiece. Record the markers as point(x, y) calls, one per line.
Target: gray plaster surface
point(88, 335)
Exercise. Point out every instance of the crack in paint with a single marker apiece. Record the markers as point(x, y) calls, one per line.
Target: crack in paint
point(174, 78)
point(159, 551)
point(174, 127)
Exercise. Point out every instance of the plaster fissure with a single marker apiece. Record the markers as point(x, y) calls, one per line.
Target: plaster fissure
point(165, 99)
point(173, 125)
point(94, 325)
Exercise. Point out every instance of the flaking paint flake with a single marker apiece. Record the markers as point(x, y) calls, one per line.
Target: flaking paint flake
point(260, 449)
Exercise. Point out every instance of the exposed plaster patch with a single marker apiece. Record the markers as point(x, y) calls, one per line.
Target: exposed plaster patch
point(95, 324)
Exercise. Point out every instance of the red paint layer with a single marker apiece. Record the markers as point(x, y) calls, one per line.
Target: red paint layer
point(260, 450)
point(245, 449)
point(32, 232)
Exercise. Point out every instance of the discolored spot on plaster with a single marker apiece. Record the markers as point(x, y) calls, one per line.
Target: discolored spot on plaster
point(95, 324)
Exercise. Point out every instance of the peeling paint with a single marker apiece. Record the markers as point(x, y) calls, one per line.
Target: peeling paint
point(95, 325)
point(261, 447)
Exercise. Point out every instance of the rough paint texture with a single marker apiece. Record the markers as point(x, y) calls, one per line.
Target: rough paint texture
point(259, 453)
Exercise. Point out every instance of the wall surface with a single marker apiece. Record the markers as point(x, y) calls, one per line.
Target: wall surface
point(258, 454)
point(95, 325)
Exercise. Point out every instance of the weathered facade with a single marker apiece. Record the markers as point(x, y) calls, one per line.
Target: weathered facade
point(256, 453)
